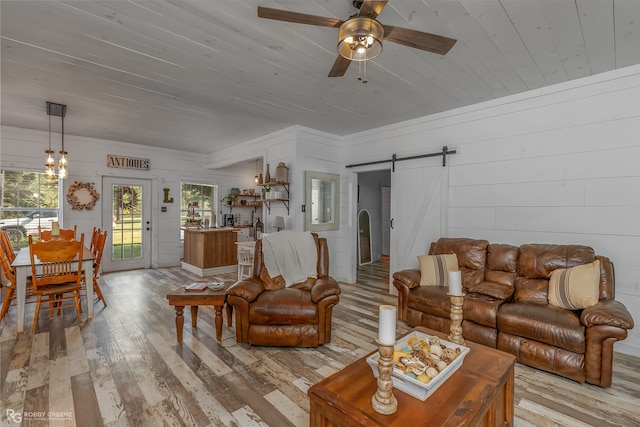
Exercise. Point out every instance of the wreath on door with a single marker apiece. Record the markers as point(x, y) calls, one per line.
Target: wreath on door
point(127, 200)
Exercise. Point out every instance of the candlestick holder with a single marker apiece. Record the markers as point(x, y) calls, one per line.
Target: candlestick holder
point(383, 401)
point(456, 319)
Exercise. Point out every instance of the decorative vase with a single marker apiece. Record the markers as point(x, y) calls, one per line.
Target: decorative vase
point(267, 177)
point(282, 171)
point(260, 180)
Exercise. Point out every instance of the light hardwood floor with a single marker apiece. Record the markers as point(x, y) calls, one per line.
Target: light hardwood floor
point(125, 367)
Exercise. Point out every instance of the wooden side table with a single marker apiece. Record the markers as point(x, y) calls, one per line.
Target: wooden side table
point(480, 393)
point(181, 298)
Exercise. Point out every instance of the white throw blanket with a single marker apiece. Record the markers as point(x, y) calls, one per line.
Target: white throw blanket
point(292, 254)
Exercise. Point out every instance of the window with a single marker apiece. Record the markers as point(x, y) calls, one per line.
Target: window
point(197, 203)
point(28, 200)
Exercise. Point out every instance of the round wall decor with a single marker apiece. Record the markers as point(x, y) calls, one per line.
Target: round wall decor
point(82, 196)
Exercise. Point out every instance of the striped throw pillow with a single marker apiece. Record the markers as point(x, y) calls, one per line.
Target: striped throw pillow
point(575, 288)
point(434, 269)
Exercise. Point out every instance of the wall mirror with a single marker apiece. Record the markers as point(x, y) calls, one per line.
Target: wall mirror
point(322, 201)
point(364, 237)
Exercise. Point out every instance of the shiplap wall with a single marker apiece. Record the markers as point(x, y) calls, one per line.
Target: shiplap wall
point(555, 165)
point(23, 149)
point(270, 149)
point(301, 149)
point(320, 152)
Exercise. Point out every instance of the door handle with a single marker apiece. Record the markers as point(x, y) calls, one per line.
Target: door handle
point(391, 222)
point(148, 228)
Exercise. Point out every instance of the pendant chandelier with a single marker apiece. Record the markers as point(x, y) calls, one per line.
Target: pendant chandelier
point(256, 179)
point(57, 110)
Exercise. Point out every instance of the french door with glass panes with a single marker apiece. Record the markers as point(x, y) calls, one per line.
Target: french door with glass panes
point(127, 218)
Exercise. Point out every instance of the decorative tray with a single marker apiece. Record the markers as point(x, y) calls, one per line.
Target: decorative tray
point(413, 383)
point(216, 286)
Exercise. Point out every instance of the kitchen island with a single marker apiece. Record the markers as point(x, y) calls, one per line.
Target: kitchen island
point(210, 251)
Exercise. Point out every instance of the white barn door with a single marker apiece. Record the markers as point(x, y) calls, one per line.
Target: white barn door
point(416, 225)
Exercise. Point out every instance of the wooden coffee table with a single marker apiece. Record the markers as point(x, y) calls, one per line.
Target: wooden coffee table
point(181, 298)
point(479, 393)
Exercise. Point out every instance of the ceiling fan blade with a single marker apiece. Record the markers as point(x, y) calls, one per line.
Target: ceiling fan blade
point(418, 39)
point(339, 67)
point(300, 18)
point(372, 8)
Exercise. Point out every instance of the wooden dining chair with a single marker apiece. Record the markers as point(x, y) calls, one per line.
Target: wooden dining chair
point(6, 246)
point(65, 234)
point(96, 247)
point(10, 285)
point(56, 268)
point(245, 260)
point(94, 239)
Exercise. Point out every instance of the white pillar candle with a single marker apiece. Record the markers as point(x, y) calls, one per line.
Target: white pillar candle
point(387, 325)
point(55, 228)
point(455, 283)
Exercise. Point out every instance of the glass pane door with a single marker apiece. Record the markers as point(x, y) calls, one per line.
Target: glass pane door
point(127, 220)
point(126, 240)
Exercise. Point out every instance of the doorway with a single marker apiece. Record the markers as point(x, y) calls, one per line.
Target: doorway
point(126, 217)
point(374, 196)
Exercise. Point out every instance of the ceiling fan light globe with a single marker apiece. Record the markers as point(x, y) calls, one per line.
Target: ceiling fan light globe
point(360, 39)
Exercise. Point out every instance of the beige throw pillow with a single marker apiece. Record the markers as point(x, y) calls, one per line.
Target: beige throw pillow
point(434, 269)
point(575, 288)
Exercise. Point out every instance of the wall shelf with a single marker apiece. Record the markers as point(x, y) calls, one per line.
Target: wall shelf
point(284, 201)
point(255, 204)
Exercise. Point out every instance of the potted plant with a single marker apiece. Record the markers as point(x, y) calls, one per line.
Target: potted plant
point(228, 199)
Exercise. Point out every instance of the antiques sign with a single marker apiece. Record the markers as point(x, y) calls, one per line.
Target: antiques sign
point(125, 162)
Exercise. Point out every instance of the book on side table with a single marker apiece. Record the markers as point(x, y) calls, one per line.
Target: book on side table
point(196, 286)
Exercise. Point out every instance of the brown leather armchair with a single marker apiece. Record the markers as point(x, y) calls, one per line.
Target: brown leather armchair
point(296, 316)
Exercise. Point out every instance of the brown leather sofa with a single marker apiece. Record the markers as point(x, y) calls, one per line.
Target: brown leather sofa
point(297, 316)
point(506, 306)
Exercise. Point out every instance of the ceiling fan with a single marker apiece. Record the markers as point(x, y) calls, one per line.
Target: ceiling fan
point(360, 37)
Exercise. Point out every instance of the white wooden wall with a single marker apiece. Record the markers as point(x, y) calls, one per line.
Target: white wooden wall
point(270, 149)
point(23, 149)
point(556, 165)
point(553, 165)
point(320, 152)
point(301, 149)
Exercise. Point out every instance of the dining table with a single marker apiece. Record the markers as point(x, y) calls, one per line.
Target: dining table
point(22, 265)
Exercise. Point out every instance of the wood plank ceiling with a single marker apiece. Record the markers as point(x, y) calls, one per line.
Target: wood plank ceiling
point(204, 74)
